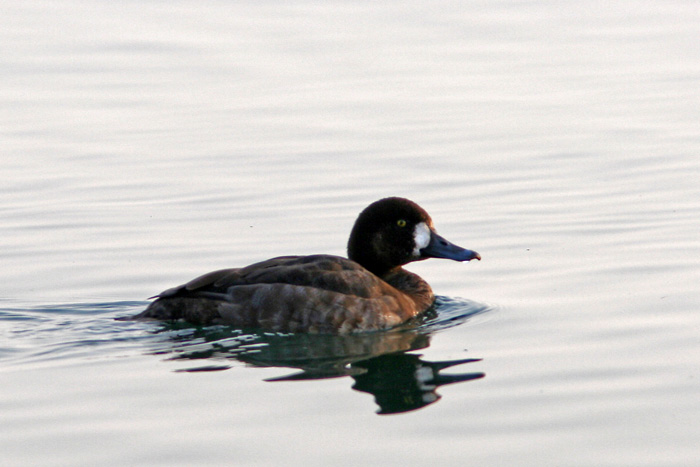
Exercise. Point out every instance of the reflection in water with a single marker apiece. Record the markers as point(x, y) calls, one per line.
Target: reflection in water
point(378, 362)
point(403, 382)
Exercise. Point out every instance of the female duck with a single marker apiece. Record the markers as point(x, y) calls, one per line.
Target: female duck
point(324, 293)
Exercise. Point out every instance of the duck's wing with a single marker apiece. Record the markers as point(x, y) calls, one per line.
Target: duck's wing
point(322, 272)
point(319, 293)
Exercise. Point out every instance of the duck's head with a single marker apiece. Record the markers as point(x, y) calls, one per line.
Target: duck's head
point(392, 232)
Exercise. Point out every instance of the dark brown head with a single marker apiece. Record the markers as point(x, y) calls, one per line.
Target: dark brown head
point(392, 232)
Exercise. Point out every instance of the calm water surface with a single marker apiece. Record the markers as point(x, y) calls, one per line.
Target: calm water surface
point(145, 143)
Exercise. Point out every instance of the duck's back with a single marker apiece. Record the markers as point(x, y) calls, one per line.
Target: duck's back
point(318, 293)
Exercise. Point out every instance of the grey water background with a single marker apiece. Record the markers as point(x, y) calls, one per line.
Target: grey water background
point(144, 143)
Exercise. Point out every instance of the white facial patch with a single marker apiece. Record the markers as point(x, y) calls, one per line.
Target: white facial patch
point(421, 237)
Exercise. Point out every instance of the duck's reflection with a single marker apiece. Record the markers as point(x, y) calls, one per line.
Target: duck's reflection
point(403, 382)
point(378, 362)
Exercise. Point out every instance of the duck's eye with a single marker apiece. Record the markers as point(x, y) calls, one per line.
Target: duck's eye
point(401, 223)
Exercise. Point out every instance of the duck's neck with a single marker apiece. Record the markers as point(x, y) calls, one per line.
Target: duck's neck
point(412, 285)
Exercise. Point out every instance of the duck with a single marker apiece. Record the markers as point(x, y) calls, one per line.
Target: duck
point(321, 293)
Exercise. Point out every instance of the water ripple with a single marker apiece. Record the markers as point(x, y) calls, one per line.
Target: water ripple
point(66, 333)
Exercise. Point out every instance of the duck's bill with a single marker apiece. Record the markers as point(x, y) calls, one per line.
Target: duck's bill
point(441, 248)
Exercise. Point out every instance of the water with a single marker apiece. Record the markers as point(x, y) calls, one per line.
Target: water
point(145, 143)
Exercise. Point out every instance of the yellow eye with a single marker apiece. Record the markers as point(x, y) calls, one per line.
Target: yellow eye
point(401, 223)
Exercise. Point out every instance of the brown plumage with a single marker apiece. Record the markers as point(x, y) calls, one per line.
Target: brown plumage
point(323, 293)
